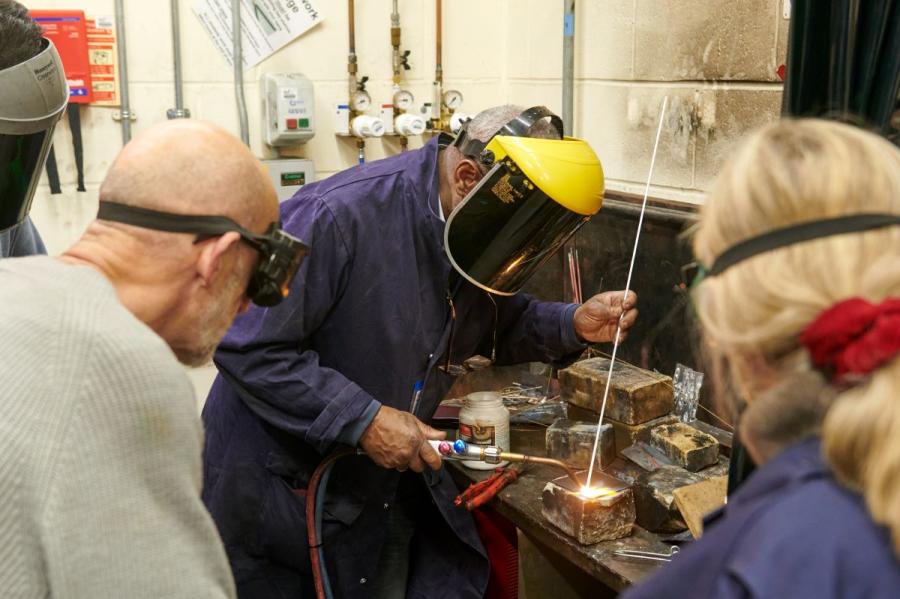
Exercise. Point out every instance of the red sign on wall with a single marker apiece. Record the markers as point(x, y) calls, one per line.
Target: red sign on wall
point(67, 30)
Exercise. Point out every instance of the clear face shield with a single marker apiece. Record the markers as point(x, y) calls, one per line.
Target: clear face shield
point(33, 96)
point(536, 195)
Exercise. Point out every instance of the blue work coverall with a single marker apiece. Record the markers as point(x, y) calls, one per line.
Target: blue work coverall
point(21, 240)
point(367, 318)
point(790, 530)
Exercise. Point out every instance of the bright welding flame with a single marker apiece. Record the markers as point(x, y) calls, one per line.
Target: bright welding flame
point(594, 492)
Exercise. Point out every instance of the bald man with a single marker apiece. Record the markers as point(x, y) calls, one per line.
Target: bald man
point(99, 437)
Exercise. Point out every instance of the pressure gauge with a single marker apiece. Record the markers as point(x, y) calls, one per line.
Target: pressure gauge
point(403, 99)
point(360, 101)
point(452, 99)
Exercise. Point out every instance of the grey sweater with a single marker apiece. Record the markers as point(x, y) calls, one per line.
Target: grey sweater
point(99, 448)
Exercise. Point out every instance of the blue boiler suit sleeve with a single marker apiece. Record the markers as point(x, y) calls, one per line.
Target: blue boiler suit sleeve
point(532, 331)
point(23, 240)
point(265, 355)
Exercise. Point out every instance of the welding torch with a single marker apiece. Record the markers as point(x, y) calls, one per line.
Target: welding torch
point(490, 454)
point(448, 450)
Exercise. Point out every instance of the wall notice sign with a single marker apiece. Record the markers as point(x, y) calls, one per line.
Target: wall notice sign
point(101, 36)
point(66, 28)
point(267, 25)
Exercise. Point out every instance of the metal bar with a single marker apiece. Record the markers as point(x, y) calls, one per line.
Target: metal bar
point(179, 112)
point(238, 59)
point(568, 78)
point(125, 105)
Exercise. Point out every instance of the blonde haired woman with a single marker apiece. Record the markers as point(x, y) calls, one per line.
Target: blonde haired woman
point(801, 314)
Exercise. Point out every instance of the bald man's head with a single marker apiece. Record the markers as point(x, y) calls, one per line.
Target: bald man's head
point(186, 287)
point(192, 167)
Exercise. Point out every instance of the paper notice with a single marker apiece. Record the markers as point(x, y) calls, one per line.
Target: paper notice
point(101, 38)
point(266, 25)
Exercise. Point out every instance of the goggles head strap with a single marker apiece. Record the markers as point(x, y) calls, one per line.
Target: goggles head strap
point(280, 252)
point(806, 231)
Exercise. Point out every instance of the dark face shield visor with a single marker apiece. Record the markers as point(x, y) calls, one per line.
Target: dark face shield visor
point(280, 254)
point(535, 197)
point(21, 160)
point(33, 95)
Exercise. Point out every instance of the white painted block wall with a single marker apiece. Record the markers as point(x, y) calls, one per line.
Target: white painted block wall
point(716, 58)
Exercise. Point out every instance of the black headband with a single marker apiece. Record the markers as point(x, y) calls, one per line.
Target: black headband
point(174, 223)
point(519, 126)
point(807, 231)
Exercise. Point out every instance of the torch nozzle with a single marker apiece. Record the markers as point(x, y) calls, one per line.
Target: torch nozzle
point(460, 450)
point(530, 459)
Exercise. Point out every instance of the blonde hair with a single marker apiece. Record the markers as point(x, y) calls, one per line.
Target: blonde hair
point(753, 313)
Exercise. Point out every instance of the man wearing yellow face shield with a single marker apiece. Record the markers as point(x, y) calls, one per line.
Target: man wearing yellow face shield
point(417, 267)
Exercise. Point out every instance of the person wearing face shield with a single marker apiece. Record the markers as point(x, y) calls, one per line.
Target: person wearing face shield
point(415, 277)
point(101, 443)
point(33, 96)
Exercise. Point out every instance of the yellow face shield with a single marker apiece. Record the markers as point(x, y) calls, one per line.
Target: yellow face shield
point(535, 196)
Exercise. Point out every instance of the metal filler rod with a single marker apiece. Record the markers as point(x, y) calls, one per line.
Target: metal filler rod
point(637, 239)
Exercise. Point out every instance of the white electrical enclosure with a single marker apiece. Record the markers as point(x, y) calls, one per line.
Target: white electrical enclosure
point(289, 174)
point(288, 109)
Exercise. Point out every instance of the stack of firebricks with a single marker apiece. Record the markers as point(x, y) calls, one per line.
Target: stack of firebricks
point(641, 443)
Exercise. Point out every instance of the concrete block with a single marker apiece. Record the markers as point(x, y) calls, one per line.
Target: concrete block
point(714, 40)
point(635, 395)
point(783, 27)
point(621, 121)
point(573, 442)
point(535, 42)
point(604, 32)
point(604, 39)
point(462, 58)
point(588, 520)
point(654, 499)
point(737, 111)
point(685, 445)
point(625, 435)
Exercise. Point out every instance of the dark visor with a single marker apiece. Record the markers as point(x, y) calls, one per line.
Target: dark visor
point(21, 158)
point(506, 229)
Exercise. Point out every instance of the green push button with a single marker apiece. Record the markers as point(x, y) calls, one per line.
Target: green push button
point(303, 123)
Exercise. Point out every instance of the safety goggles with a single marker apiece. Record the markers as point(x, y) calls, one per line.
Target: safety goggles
point(33, 95)
point(280, 254)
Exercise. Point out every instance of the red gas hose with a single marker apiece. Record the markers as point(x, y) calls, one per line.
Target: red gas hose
point(311, 536)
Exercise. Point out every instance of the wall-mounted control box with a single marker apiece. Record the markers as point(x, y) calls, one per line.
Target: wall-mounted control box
point(288, 109)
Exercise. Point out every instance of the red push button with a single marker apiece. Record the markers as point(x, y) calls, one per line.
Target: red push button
point(291, 123)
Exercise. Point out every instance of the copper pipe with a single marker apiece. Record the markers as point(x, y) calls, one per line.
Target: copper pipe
point(395, 43)
point(351, 23)
point(439, 67)
point(529, 459)
point(351, 56)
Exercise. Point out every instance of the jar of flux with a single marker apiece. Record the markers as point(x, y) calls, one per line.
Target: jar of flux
point(484, 420)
